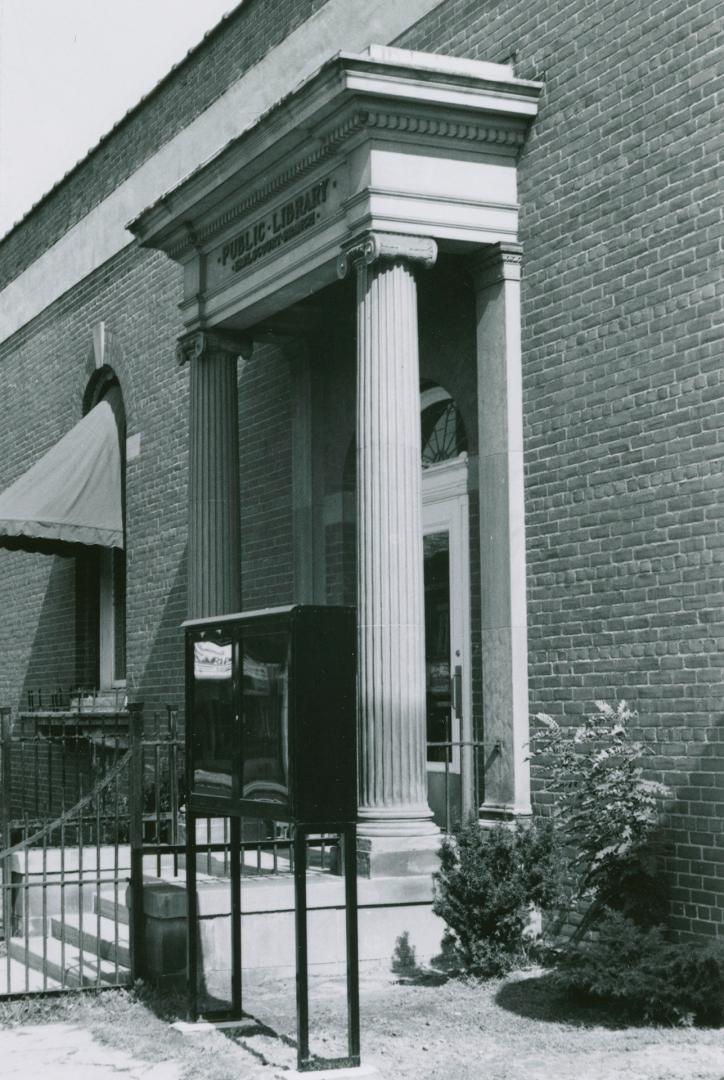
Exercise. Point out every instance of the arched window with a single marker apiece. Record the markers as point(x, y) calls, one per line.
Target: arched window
point(442, 431)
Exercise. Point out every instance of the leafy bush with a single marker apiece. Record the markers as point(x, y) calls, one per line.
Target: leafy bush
point(486, 885)
point(606, 813)
point(650, 978)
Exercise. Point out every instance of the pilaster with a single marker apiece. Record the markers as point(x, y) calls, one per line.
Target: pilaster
point(502, 533)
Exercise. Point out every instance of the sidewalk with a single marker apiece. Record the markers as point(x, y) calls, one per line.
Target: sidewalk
point(64, 1051)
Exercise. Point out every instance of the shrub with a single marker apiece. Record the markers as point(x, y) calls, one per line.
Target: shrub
point(486, 885)
point(650, 978)
point(606, 812)
point(404, 958)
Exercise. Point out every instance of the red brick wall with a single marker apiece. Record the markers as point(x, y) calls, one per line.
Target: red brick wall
point(44, 370)
point(43, 373)
point(621, 222)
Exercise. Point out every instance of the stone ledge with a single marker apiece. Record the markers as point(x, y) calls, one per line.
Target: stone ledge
point(167, 899)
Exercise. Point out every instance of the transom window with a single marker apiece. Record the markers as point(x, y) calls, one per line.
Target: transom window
point(442, 430)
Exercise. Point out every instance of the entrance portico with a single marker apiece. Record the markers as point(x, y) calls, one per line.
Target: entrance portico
point(369, 170)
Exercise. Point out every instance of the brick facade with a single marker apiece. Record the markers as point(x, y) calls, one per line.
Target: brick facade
point(621, 222)
point(44, 371)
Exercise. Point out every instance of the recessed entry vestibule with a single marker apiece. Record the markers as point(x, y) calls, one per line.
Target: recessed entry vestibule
point(392, 174)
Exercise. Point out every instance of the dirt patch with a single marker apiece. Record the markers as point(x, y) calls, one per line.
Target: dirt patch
point(427, 1027)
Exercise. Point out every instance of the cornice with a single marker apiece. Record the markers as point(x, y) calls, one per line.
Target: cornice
point(203, 343)
point(500, 134)
point(368, 248)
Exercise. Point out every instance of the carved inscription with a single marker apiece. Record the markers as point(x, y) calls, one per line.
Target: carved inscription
point(276, 229)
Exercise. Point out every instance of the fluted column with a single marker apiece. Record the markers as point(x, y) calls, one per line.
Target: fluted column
point(390, 588)
point(502, 533)
point(214, 551)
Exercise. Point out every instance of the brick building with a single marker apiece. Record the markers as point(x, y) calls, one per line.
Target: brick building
point(311, 193)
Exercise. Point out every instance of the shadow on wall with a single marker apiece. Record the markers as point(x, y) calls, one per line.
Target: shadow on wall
point(159, 661)
point(64, 649)
point(64, 652)
point(696, 865)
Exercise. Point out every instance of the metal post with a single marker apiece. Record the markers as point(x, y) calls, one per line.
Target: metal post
point(349, 839)
point(300, 925)
point(172, 763)
point(135, 799)
point(5, 838)
point(5, 774)
point(192, 915)
point(235, 884)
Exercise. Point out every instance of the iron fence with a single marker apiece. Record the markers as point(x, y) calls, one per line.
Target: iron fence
point(63, 858)
point(92, 800)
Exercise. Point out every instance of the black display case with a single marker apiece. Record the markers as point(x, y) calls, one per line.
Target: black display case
point(271, 728)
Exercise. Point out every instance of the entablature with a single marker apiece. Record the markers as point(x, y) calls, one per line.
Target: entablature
point(393, 141)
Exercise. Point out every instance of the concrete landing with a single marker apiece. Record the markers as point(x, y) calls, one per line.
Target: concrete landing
point(358, 1072)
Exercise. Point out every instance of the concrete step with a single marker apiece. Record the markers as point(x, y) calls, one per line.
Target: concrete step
point(100, 936)
point(66, 964)
point(110, 907)
point(16, 978)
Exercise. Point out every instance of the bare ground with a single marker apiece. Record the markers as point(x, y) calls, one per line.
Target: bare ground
point(420, 1027)
point(425, 1027)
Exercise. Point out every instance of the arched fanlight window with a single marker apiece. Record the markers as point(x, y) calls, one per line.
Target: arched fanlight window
point(442, 432)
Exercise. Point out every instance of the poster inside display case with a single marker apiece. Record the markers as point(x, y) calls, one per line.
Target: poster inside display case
point(271, 727)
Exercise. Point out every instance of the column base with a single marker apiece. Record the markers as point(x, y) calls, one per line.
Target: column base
point(397, 856)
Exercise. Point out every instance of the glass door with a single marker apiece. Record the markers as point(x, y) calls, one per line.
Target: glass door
point(447, 641)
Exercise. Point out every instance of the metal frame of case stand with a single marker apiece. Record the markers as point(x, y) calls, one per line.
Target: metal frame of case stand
point(347, 831)
point(313, 692)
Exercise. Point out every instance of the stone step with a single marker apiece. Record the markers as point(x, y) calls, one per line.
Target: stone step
point(100, 936)
point(66, 964)
point(16, 978)
point(107, 905)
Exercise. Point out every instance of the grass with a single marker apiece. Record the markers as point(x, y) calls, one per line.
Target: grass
point(418, 1026)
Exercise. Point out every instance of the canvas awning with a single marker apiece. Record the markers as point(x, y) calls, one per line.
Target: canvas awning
point(72, 494)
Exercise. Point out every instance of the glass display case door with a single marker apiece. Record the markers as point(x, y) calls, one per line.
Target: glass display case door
point(447, 640)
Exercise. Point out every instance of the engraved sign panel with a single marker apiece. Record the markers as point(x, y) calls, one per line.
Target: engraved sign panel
point(271, 232)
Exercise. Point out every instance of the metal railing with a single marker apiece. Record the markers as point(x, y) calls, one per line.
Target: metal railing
point(75, 699)
point(63, 860)
point(462, 765)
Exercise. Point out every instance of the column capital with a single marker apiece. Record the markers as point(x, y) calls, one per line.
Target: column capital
point(370, 246)
point(200, 343)
point(498, 262)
